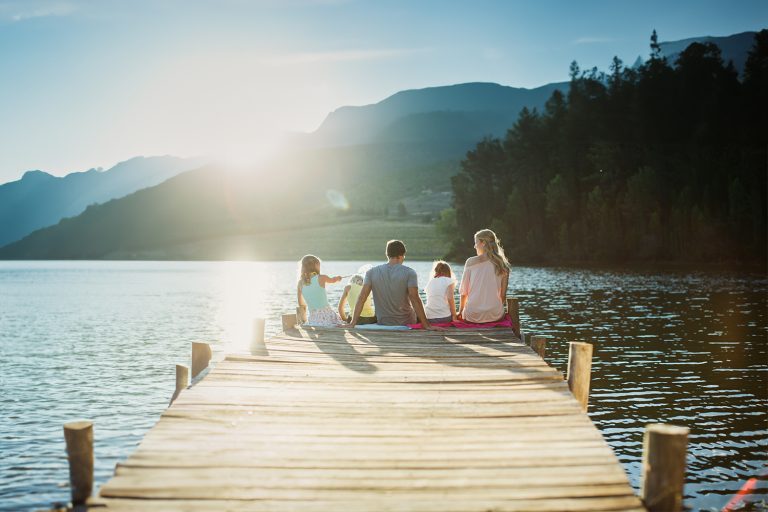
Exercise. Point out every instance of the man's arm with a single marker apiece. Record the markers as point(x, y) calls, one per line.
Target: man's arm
point(418, 306)
point(360, 302)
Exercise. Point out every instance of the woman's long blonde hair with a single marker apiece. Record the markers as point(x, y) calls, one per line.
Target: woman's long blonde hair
point(308, 266)
point(494, 250)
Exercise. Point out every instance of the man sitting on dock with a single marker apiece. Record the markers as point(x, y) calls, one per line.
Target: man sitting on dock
point(395, 291)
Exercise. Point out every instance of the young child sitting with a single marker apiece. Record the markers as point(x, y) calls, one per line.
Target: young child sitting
point(351, 293)
point(440, 307)
point(311, 293)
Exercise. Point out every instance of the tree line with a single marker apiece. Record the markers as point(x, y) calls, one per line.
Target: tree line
point(662, 162)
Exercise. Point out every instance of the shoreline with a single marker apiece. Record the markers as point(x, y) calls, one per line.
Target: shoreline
point(752, 269)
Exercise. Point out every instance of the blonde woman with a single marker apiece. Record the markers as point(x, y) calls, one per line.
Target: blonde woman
point(483, 286)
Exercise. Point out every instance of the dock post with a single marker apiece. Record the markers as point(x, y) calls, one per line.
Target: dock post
point(290, 320)
point(79, 439)
point(182, 380)
point(201, 356)
point(513, 309)
point(579, 371)
point(258, 345)
point(301, 315)
point(663, 476)
point(538, 344)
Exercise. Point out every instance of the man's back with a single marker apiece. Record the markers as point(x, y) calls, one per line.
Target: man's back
point(390, 283)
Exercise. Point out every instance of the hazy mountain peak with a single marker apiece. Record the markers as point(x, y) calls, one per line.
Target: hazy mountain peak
point(498, 104)
point(36, 175)
point(732, 48)
point(40, 199)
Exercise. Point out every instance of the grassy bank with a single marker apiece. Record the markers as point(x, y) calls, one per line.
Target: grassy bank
point(346, 240)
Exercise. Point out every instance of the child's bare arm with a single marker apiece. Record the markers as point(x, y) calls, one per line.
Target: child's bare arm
point(300, 297)
point(451, 302)
point(342, 301)
point(324, 279)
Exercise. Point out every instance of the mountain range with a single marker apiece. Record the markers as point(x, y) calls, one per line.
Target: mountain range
point(733, 48)
point(402, 149)
point(39, 199)
point(463, 112)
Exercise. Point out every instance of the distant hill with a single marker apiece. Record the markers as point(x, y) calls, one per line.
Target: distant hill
point(197, 204)
point(39, 199)
point(462, 112)
point(733, 48)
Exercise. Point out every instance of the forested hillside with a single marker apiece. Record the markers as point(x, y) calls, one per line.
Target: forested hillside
point(665, 162)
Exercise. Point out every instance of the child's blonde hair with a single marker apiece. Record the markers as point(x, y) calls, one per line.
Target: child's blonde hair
point(357, 279)
point(441, 269)
point(494, 250)
point(308, 266)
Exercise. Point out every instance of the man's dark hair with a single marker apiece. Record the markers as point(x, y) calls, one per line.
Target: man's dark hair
point(395, 248)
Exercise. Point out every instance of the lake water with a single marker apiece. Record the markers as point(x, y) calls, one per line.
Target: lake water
point(99, 340)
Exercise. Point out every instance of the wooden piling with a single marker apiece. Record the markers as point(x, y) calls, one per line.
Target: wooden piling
point(538, 344)
point(301, 314)
point(663, 476)
point(258, 345)
point(513, 309)
point(579, 371)
point(201, 356)
point(182, 380)
point(79, 439)
point(289, 321)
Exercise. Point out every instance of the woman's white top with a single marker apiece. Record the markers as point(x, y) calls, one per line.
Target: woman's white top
point(482, 286)
point(437, 297)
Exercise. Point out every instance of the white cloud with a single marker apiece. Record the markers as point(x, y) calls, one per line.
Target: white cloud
point(20, 11)
point(593, 40)
point(340, 56)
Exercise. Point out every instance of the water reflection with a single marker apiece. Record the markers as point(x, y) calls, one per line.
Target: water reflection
point(99, 340)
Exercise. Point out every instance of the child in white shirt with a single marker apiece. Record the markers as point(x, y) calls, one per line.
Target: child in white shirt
point(440, 306)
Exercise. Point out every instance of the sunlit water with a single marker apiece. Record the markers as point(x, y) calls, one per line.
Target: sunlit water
point(99, 340)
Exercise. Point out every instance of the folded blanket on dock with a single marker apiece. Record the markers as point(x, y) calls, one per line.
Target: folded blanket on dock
point(377, 327)
point(504, 322)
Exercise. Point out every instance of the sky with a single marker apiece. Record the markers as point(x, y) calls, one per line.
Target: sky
point(90, 83)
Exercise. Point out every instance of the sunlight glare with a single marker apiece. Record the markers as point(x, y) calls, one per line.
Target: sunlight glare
point(245, 292)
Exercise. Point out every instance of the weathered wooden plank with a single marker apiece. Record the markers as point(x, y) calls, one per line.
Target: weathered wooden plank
point(387, 473)
point(384, 503)
point(186, 487)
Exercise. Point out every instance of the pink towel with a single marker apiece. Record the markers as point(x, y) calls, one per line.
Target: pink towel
point(504, 322)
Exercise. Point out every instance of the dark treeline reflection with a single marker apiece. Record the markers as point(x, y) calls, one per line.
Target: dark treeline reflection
point(663, 162)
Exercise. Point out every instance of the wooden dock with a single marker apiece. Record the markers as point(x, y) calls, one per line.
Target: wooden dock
point(349, 420)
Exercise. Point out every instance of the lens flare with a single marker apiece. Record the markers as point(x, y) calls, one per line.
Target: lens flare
point(337, 199)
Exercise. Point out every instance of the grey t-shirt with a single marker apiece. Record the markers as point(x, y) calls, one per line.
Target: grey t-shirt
point(390, 285)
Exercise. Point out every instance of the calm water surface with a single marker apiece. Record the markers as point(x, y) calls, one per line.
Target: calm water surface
point(99, 340)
